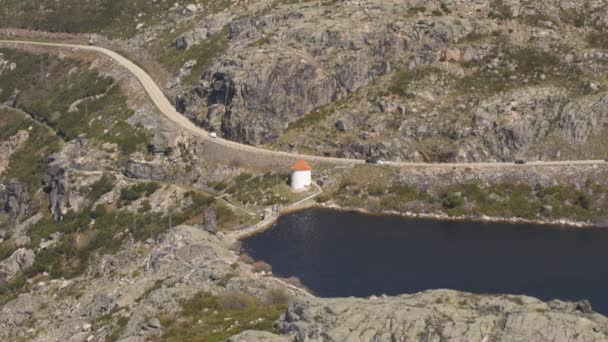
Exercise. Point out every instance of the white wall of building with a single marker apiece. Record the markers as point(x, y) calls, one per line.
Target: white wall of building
point(301, 180)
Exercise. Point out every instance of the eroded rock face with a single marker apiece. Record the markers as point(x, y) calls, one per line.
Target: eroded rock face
point(10, 146)
point(19, 260)
point(439, 315)
point(140, 169)
point(57, 187)
point(19, 311)
point(14, 199)
point(193, 248)
point(291, 61)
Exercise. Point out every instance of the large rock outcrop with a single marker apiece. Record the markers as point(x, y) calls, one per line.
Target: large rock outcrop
point(440, 315)
point(14, 199)
point(57, 186)
point(19, 260)
point(470, 93)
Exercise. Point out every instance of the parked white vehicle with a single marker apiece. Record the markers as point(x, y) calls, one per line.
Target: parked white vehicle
point(213, 135)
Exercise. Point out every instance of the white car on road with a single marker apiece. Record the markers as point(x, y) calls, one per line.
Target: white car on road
point(213, 135)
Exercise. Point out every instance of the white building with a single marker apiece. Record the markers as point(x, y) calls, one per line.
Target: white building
point(301, 176)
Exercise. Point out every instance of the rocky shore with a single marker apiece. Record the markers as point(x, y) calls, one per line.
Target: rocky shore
point(187, 260)
point(466, 218)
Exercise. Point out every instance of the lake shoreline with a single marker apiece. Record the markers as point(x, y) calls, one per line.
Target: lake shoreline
point(343, 252)
point(562, 223)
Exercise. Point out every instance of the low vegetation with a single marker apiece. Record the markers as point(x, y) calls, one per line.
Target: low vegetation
point(317, 116)
point(114, 18)
point(267, 189)
point(508, 67)
point(500, 10)
point(104, 185)
point(402, 79)
point(72, 100)
point(598, 40)
point(136, 191)
point(203, 53)
point(97, 230)
point(508, 200)
point(206, 317)
point(27, 163)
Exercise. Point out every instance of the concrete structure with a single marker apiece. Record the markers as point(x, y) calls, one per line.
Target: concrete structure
point(301, 176)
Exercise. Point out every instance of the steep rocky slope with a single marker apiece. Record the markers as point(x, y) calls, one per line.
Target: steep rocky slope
point(414, 80)
point(403, 80)
point(88, 244)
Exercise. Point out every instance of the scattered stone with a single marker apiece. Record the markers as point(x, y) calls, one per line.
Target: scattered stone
point(109, 147)
point(22, 241)
point(190, 9)
point(182, 43)
point(210, 220)
point(584, 306)
point(453, 55)
point(154, 323)
point(342, 125)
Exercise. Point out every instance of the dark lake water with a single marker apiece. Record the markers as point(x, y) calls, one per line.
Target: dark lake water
point(340, 254)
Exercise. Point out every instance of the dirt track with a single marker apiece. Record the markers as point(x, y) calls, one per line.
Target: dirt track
point(229, 147)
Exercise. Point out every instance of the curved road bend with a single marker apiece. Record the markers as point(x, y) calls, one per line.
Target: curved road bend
point(167, 109)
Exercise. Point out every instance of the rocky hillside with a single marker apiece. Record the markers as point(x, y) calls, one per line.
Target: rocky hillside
point(115, 225)
point(413, 80)
point(437, 81)
point(186, 285)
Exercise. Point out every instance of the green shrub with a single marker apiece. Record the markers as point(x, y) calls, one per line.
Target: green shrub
point(405, 193)
point(28, 162)
point(375, 190)
point(218, 186)
point(145, 206)
point(232, 300)
point(451, 200)
point(575, 16)
point(242, 178)
point(500, 10)
point(134, 192)
point(218, 313)
point(104, 185)
point(444, 7)
point(414, 10)
point(101, 115)
point(584, 200)
point(7, 248)
point(402, 79)
point(598, 40)
point(260, 266)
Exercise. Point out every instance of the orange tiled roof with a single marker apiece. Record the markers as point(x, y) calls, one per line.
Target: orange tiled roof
point(300, 165)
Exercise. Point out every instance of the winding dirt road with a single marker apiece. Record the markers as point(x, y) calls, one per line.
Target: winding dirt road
point(167, 109)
